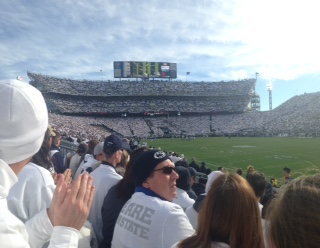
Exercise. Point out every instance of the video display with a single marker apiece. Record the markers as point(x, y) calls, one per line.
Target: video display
point(138, 69)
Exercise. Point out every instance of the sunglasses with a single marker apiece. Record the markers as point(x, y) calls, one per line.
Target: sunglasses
point(166, 170)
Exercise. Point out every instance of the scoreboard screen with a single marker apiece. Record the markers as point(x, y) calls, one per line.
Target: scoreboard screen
point(137, 69)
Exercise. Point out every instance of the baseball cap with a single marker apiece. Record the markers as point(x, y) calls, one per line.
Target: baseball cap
point(82, 148)
point(112, 144)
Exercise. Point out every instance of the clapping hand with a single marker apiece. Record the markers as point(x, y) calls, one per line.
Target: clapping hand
point(71, 203)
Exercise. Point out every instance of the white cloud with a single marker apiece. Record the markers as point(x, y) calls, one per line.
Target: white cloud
point(212, 39)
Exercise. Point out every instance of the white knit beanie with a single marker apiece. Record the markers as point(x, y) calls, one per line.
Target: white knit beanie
point(211, 178)
point(23, 120)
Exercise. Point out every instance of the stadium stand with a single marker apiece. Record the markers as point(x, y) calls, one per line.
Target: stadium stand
point(68, 96)
point(94, 109)
point(139, 88)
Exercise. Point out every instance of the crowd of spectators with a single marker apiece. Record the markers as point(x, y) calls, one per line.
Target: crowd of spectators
point(65, 104)
point(289, 119)
point(139, 127)
point(68, 96)
point(297, 116)
point(139, 88)
point(98, 128)
point(191, 125)
point(84, 128)
point(153, 204)
point(223, 107)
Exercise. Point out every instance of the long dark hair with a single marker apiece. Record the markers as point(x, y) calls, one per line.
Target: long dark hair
point(125, 187)
point(42, 157)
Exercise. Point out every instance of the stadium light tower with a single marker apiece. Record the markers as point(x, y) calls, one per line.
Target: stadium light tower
point(257, 74)
point(269, 88)
point(187, 73)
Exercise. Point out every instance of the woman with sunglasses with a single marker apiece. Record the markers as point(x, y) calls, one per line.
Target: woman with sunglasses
point(229, 217)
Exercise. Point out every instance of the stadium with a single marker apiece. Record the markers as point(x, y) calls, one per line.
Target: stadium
point(151, 108)
point(159, 124)
point(160, 108)
point(156, 108)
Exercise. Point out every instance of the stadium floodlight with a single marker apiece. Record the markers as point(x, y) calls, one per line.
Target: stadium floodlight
point(187, 73)
point(254, 87)
point(269, 88)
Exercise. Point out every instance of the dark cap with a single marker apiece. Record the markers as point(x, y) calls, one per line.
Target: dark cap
point(126, 146)
point(183, 182)
point(112, 144)
point(286, 169)
point(145, 163)
point(82, 148)
point(192, 171)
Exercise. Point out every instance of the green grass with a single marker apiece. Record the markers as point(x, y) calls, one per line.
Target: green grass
point(268, 155)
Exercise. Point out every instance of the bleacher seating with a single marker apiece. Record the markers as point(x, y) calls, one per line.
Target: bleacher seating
point(161, 109)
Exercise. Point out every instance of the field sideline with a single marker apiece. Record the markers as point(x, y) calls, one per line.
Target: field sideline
point(268, 155)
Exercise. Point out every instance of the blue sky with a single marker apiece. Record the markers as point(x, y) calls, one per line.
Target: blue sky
point(212, 39)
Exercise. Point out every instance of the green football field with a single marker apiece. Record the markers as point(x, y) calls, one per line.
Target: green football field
point(268, 155)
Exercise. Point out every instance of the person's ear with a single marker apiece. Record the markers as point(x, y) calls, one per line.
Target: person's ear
point(146, 185)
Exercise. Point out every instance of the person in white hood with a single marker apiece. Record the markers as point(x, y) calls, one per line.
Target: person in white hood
point(24, 121)
point(193, 211)
point(34, 191)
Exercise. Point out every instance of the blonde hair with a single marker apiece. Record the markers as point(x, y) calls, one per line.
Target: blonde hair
point(230, 214)
point(125, 157)
point(250, 168)
point(293, 216)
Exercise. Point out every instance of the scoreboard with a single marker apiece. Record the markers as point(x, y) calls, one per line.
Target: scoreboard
point(138, 69)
